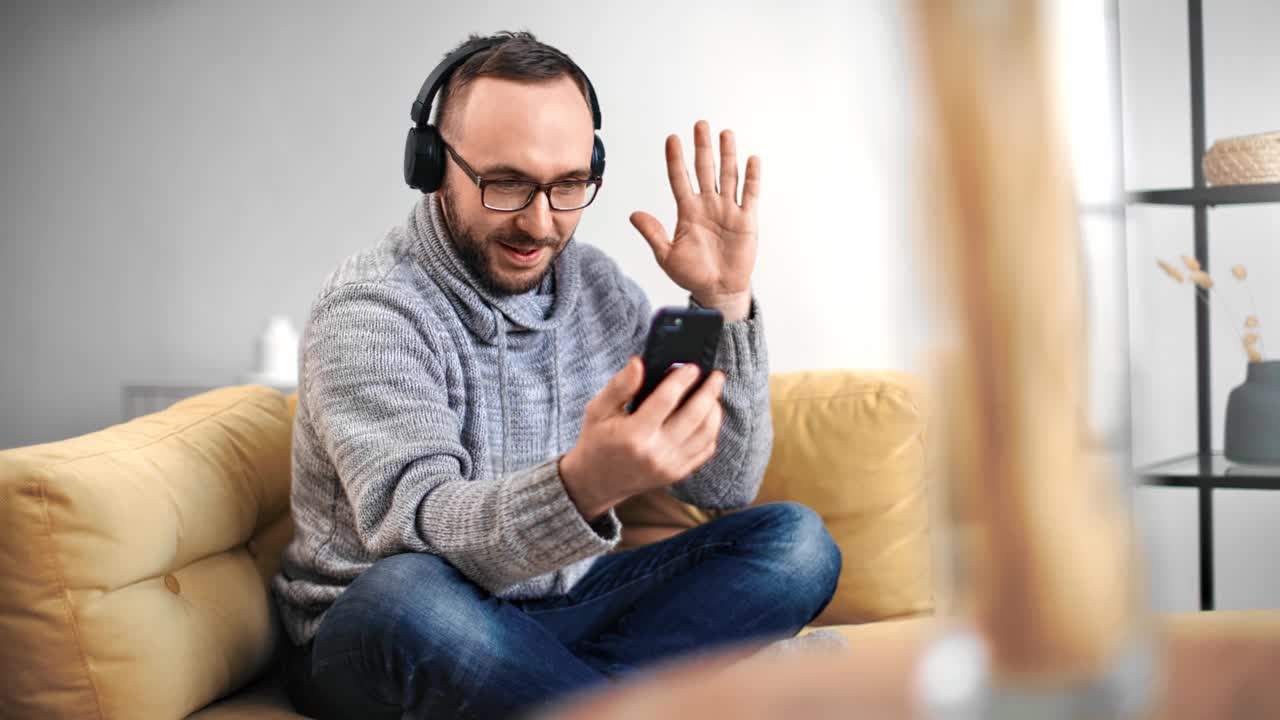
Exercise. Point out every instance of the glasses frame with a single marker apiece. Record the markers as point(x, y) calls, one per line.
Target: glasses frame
point(544, 188)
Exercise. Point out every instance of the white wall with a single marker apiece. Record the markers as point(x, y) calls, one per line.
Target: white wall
point(1084, 40)
point(1242, 72)
point(177, 172)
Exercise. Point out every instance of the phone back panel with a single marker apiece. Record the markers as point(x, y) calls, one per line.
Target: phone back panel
point(679, 336)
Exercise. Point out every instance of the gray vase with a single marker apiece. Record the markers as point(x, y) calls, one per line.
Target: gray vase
point(1253, 416)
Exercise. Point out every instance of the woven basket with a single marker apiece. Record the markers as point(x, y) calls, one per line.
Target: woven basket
point(1244, 160)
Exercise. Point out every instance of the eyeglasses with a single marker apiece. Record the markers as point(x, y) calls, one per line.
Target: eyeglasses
point(514, 195)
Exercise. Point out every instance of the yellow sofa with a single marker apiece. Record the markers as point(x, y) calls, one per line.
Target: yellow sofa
point(134, 560)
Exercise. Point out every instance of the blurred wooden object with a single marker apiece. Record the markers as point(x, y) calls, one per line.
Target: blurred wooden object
point(873, 680)
point(1218, 665)
point(1049, 578)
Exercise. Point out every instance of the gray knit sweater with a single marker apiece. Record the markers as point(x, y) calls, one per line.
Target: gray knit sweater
point(431, 415)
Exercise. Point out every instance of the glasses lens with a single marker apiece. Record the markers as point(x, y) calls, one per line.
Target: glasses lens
point(572, 195)
point(516, 194)
point(508, 195)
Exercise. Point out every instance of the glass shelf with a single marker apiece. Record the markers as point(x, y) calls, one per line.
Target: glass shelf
point(1211, 470)
point(1215, 195)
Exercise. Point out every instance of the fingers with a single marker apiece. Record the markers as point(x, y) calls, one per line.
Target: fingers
point(656, 408)
point(653, 233)
point(729, 165)
point(616, 393)
point(705, 167)
point(705, 438)
point(704, 164)
point(751, 186)
point(685, 421)
point(676, 172)
point(700, 446)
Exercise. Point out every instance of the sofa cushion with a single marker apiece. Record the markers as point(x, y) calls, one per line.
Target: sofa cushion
point(134, 560)
point(850, 445)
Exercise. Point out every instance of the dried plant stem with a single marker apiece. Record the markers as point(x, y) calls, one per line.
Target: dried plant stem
point(1253, 307)
point(1230, 310)
point(1224, 307)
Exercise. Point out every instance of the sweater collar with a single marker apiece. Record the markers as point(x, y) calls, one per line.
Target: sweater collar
point(477, 306)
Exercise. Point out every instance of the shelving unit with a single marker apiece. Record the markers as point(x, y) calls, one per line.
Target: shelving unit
point(1205, 469)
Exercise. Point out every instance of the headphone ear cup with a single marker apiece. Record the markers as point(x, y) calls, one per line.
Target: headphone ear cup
point(597, 157)
point(424, 159)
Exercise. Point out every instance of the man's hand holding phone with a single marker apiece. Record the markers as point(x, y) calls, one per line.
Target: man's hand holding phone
point(620, 454)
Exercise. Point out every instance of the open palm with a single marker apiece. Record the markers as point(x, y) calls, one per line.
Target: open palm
point(713, 251)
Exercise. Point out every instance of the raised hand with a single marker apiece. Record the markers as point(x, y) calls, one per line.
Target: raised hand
point(713, 251)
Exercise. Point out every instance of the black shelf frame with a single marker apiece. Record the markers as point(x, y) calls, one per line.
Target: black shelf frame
point(1200, 198)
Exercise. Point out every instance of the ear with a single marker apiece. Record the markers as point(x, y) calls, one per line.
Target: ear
point(444, 201)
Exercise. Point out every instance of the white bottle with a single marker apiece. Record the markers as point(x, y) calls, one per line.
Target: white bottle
point(277, 354)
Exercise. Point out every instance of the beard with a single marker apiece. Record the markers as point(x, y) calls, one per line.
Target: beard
point(477, 253)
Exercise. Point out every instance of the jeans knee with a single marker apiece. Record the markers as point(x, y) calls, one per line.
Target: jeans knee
point(806, 554)
point(396, 572)
point(415, 599)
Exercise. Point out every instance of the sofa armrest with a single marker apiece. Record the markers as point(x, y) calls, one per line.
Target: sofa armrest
point(139, 552)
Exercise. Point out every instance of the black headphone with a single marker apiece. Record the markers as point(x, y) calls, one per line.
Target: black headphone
point(424, 153)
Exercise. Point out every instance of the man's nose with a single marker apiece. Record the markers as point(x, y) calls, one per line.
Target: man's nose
point(536, 219)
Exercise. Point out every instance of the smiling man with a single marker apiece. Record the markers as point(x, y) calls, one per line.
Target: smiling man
point(461, 437)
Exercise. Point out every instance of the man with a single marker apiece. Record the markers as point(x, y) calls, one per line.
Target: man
point(461, 438)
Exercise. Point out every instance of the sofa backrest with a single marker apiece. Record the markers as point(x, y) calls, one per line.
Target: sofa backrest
point(133, 560)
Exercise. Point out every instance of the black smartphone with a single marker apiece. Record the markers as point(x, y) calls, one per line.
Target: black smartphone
point(679, 336)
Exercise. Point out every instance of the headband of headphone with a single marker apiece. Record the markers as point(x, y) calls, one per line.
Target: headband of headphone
point(424, 154)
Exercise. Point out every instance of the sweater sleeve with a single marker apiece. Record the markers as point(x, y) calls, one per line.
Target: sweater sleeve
point(732, 477)
point(379, 398)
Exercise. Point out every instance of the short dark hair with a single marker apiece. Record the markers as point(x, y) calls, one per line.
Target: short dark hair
point(521, 56)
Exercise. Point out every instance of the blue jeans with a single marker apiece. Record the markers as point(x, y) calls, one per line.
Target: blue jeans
point(413, 637)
